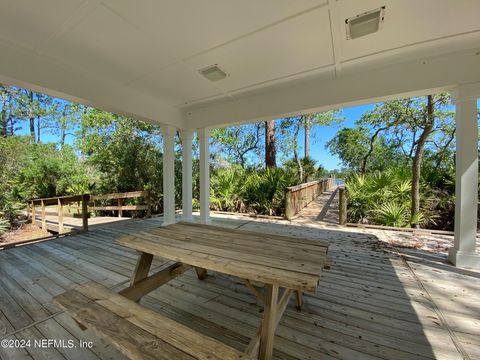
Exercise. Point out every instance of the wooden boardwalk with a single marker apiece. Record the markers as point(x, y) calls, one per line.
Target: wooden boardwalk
point(323, 210)
point(374, 303)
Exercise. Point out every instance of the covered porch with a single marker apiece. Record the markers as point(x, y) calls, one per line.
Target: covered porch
point(194, 66)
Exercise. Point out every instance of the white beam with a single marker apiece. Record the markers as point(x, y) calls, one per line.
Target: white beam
point(168, 133)
point(365, 83)
point(203, 137)
point(186, 137)
point(463, 253)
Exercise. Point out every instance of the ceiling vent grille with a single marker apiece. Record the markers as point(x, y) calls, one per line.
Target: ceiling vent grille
point(365, 24)
point(213, 73)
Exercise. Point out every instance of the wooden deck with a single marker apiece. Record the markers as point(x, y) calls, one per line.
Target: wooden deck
point(374, 302)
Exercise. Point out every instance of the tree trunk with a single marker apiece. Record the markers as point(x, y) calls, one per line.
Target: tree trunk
point(38, 129)
point(31, 115)
point(270, 151)
point(370, 150)
point(295, 153)
point(306, 127)
point(417, 160)
point(3, 119)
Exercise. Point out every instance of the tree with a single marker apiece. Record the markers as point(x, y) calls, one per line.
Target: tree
point(66, 117)
point(290, 130)
point(309, 121)
point(31, 114)
point(350, 145)
point(270, 146)
point(410, 125)
point(238, 142)
point(125, 153)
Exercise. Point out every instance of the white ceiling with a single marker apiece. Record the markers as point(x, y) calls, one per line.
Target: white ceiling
point(142, 57)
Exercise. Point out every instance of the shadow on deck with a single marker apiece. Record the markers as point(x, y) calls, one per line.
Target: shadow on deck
point(324, 210)
point(372, 304)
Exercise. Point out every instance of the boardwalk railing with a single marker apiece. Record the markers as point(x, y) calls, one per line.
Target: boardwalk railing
point(120, 207)
point(60, 201)
point(342, 217)
point(83, 209)
point(299, 196)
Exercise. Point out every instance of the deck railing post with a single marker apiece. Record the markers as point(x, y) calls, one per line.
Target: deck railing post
point(33, 213)
point(289, 210)
point(343, 206)
point(148, 202)
point(60, 216)
point(85, 198)
point(44, 216)
point(120, 203)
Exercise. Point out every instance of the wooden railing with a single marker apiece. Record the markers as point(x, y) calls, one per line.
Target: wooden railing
point(120, 207)
point(83, 209)
point(297, 197)
point(60, 201)
point(342, 216)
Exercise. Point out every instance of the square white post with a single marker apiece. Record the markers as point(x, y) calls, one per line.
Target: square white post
point(168, 133)
point(186, 137)
point(203, 137)
point(463, 253)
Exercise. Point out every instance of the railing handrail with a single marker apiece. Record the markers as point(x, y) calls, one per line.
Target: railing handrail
point(120, 207)
point(299, 196)
point(63, 199)
point(123, 195)
point(303, 185)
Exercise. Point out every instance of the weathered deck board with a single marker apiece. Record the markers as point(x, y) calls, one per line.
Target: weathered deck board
point(370, 305)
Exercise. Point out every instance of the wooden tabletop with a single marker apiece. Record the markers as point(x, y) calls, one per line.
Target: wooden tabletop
point(293, 263)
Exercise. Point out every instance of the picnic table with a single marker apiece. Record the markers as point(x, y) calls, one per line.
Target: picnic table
point(281, 265)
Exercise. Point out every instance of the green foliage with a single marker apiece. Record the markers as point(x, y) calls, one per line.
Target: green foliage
point(227, 189)
point(257, 191)
point(49, 172)
point(392, 214)
point(265, 190)
point(384, 198)
point(125, 153)
point(352, 145)
point(33, 170)
point(4, 226)
point(310, 171)
point(240, 144)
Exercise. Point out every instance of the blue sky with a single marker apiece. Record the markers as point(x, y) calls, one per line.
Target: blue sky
point(320, 135)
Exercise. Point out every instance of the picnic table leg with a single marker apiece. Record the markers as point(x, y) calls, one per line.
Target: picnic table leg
point(269, 322)
point(299, 297)
point(141, 270)
point(201, 273)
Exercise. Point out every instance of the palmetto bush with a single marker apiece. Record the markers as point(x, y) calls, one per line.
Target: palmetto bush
point(227, 189)
point(4, 226)
point(257, 191)
point(384, 198)
point(265, 190)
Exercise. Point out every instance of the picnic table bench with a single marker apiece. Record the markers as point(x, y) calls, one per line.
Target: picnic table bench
point(281, 265)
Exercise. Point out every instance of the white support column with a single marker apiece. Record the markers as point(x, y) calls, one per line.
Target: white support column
point(203, 137)
point(463, 253)
point(168, 133)
point(186, 136)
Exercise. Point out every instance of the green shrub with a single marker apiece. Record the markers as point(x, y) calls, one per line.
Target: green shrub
point(4, 226)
